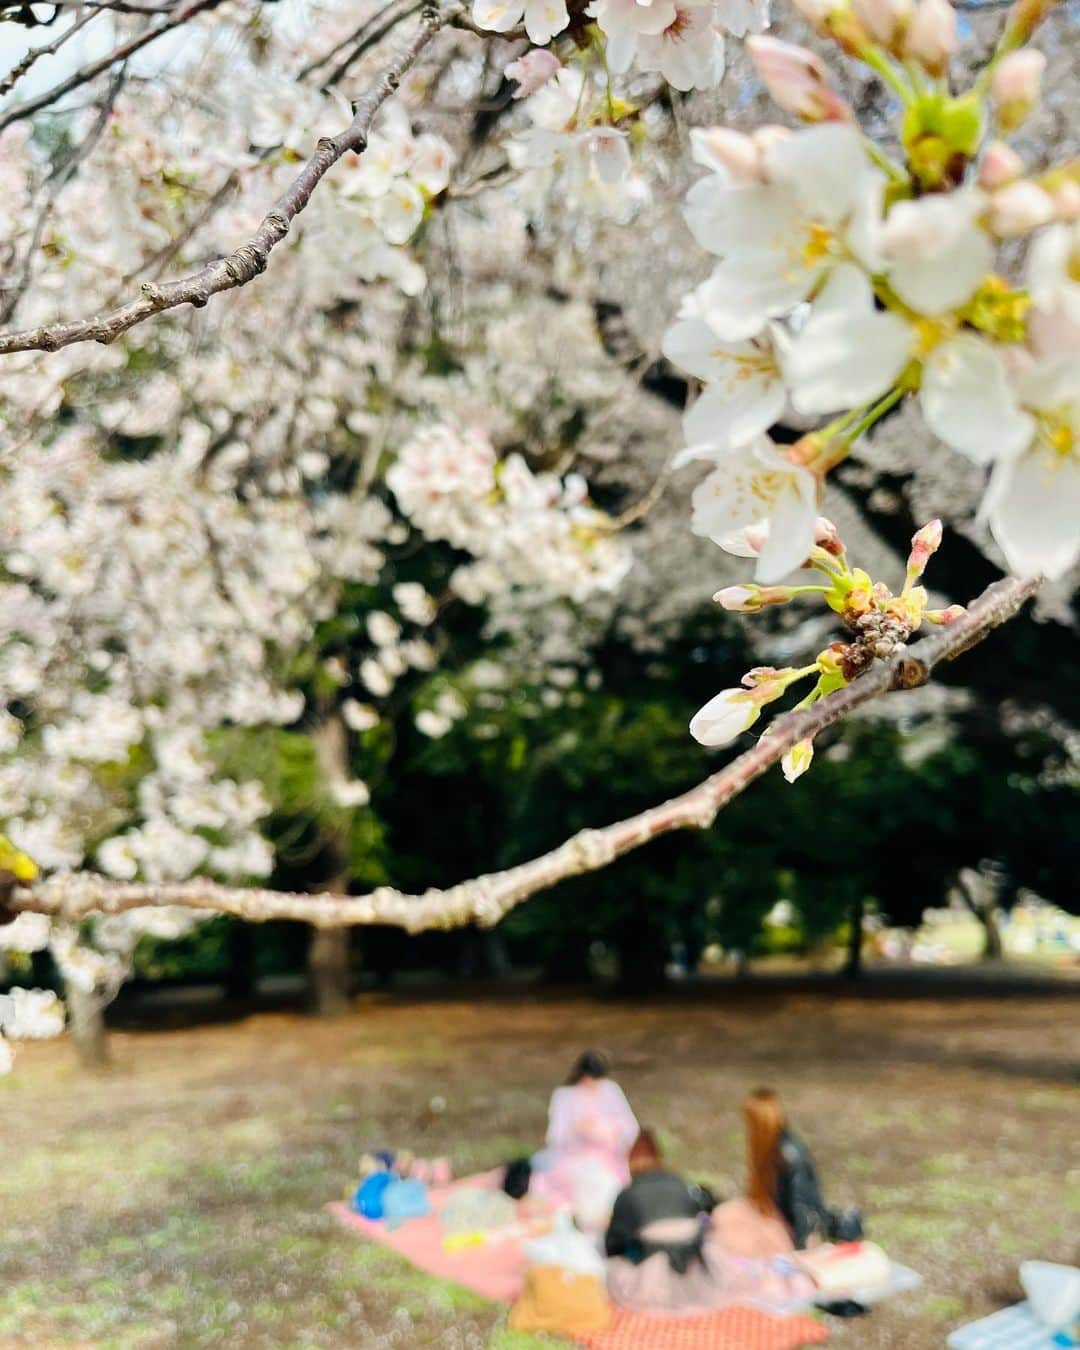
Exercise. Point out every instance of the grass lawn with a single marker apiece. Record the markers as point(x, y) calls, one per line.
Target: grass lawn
point(177, 1199)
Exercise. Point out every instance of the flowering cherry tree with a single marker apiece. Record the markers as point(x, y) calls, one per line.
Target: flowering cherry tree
point(445, 202)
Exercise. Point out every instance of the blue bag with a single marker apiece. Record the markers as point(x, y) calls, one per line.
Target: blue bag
point(368, 1199)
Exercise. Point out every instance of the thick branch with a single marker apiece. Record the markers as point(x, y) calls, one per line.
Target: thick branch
point(249, 260)
point(486, 899)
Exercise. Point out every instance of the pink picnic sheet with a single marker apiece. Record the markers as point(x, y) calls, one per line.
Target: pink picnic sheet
point(495, 1271)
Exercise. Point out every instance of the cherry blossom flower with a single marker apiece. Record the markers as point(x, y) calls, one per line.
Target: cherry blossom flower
point(689, 52)
point(757, 485)
point(780, 239)
point(532, 71)
point(846, 353)
point(623, 22)
point(744, 391)
point(935, 250)
point(542, 18)
point(1028, 426)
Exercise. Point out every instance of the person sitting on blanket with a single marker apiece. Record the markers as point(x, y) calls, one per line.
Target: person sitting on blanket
point(662, 1257)
point(783, 1181)
point(590, 1130)
point(657, 1212)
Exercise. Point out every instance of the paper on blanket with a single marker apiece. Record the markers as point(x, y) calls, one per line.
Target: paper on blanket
point(1015, 1328)
point(901, 1280)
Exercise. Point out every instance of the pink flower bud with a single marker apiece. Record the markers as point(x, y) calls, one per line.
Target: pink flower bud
point(750, 599)
point(1019, 208)
point(1017, 81)
point(797, 760)
point(532, 71)
point(932, 35)
point(924, 542)
point(884, 20)
point(720, 148)
point(738, 599)
point(760, 675)
point(827, 536)
point(795, 78)
point(944, 616)
point(1066, 199)
point(1000, 165)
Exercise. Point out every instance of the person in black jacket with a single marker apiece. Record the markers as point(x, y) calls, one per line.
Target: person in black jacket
point(657, 1212)
point(782, 1178)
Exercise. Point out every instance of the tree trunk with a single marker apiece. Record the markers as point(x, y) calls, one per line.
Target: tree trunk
point(981, 895)
point(328, 971)
point(993, 947)
point(87, 1020)
point(329, 986)
point(853, 964)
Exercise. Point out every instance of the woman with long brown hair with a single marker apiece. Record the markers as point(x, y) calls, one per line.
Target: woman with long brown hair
point(782, 1180)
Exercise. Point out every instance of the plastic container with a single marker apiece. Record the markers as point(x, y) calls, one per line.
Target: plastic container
point(1053, 1292)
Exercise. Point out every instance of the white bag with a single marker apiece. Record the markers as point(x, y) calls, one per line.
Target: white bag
point(564, 1246)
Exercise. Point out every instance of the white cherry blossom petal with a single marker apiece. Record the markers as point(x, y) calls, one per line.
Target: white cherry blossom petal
point(968, 402)
point(936, 252)
point(1033, 507)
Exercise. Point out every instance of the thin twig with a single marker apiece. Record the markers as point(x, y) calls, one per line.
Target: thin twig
point(58, 180)
point(15, 74)
point(157, 262)
point(366, 42)
point(249, 260)
point(487, 899)
point(357, 35)
point(21, 111)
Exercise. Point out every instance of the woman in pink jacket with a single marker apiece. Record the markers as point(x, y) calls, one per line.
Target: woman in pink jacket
point(590, 1132)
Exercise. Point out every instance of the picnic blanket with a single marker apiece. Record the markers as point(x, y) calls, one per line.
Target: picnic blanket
point(738, 1328)
point(496, 1271)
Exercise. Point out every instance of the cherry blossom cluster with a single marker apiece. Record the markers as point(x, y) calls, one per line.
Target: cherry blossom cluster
point(847, 282)
point(525, 530)
point(879, 623)
point(682, 41)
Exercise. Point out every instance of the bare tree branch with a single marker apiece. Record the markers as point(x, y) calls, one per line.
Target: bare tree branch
point(486, 899)
point(21, 111)
point(58, 180)
point(249, 260)
point(360, 34)
point(364, 42)
point(8, 83)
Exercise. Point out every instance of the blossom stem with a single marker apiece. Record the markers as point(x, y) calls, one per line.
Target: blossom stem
point(879, 409)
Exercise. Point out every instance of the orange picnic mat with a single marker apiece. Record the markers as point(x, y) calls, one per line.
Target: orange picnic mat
point(737, 1328)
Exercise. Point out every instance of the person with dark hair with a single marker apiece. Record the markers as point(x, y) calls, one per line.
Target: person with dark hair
point(590, 1064)
point(657, 1212)
point(782, 1182)
point(663, 1258)
point(590, 1130)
